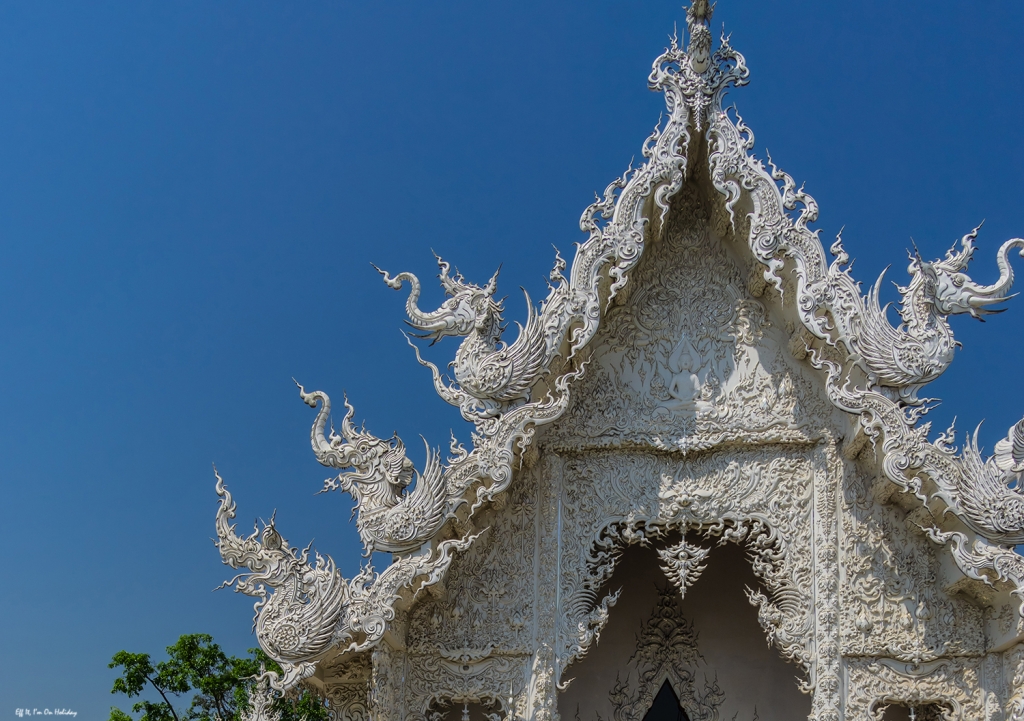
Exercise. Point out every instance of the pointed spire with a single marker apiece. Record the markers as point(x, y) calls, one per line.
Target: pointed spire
point(698, 21)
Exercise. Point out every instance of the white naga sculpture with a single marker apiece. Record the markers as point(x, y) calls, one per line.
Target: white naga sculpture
point(704, 394)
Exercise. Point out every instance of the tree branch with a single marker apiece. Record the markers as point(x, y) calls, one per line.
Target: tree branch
point(164, 696)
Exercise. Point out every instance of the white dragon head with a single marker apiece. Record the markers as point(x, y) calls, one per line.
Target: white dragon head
point(951, 291)
point(381, 470)
point(467, 308)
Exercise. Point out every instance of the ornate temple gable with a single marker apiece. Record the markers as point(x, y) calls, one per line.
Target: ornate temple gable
point(673, 393)
point(687, 358)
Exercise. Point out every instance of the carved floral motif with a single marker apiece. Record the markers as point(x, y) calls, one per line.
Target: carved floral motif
point(760, 497)
point(666, 650)
point(896, 606)
point(953, 686)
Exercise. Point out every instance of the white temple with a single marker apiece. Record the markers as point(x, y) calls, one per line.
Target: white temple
point(699, 486)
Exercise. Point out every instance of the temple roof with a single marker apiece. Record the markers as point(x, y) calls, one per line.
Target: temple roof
point(868, 369)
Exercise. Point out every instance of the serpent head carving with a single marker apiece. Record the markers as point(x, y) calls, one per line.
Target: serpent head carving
point(489, 374)
point(301, 600)
point(953, 290)
point(376, 473)
point(921, 348)
point(467, 307)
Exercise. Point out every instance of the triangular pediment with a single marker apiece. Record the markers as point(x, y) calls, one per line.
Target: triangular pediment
point(687, 357)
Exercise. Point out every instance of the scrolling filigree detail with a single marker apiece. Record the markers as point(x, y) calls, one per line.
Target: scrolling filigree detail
point(666, 650)
point(305, 609)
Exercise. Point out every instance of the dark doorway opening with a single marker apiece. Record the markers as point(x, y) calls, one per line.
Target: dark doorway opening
point(740, 671)
point(666, 706)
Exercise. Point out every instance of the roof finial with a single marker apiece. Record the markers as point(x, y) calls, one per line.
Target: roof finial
point(700, 11)
point(698, 18)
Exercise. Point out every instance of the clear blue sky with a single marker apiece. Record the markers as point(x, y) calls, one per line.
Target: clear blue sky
point(191, 194)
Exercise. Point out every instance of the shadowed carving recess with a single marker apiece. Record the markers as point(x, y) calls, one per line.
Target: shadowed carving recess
point(666, 651)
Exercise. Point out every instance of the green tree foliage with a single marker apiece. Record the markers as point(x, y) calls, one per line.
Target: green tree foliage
point(219, 684)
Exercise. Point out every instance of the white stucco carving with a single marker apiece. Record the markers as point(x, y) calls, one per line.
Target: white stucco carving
point(666, 650)
point(701, 375)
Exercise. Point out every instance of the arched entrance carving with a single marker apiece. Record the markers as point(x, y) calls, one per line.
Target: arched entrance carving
point(761, 497)
point(708, 646)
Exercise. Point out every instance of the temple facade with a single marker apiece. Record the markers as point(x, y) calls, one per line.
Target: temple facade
point(699, 485)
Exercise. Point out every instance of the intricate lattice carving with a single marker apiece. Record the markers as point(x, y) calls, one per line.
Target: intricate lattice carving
point(666, 650)
point(952, 685)
point(688, 360)
point(761, 497)
point(895, 607)
point(488, 592)
point(436, 681)
point(1015, 678)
